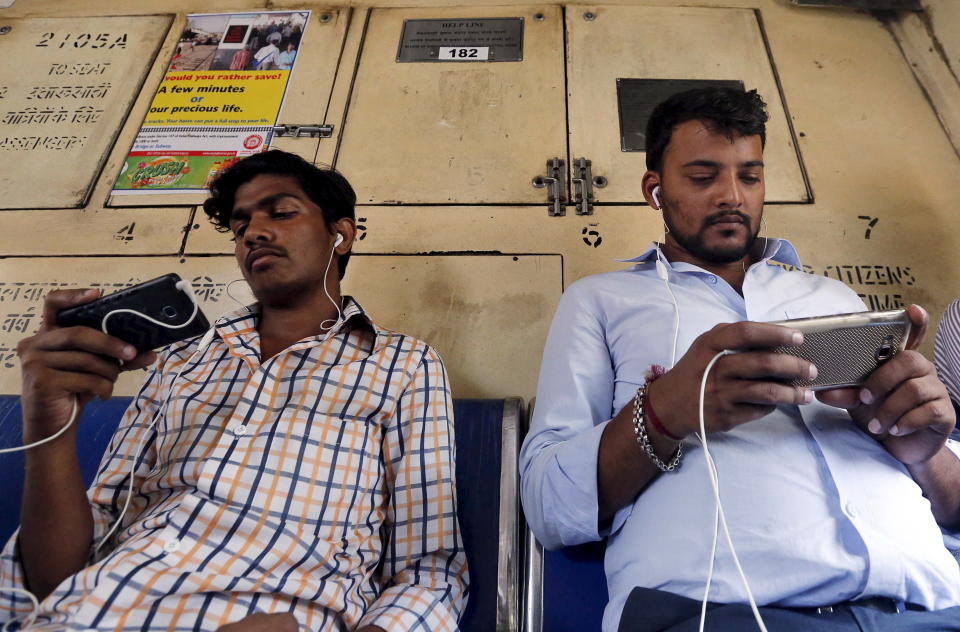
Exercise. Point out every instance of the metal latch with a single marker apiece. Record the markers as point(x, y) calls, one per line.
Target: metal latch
point(556, 180)
point(583, 183)
point(296, 131)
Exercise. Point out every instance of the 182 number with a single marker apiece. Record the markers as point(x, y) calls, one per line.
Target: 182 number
point(464, 53)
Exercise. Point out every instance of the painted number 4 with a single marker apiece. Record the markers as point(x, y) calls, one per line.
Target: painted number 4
point(464, 53)
point(125, 233)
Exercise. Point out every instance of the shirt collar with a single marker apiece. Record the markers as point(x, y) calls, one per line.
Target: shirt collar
point(775, 250)
point(244, 320)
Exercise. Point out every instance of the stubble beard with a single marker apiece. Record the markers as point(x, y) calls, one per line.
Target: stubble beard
point(696, 244)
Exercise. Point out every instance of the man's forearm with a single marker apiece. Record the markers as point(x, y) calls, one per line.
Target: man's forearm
point(623, 470)
point(56, 525)
point(939, 478)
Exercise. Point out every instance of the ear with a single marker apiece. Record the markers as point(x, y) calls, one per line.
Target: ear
point(650, 181)
point(347, 229)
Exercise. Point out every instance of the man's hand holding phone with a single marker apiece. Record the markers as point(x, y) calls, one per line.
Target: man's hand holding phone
point(741, 387)
point(62, 365)
point(903, 403)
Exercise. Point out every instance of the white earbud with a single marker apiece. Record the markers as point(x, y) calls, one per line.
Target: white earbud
point(656, 197)
point(339, 240)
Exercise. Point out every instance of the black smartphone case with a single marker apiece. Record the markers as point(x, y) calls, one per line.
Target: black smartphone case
point(158, 298)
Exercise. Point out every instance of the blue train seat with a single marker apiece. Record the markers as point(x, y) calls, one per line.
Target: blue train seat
point(563, 590)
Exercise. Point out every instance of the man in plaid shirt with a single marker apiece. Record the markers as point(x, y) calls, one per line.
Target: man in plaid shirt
point(292, 470)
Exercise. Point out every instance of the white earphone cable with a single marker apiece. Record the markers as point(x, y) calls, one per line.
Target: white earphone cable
point(334, 322)
point(183, 285)
point(715, 484)
point(719, 518)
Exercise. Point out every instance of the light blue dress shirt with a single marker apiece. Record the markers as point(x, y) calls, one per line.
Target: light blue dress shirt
point(818, 511)
point(285, 60)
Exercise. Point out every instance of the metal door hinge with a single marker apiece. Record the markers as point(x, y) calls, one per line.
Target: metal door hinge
point(556, 181)
point(583, 183)
point(296, 131)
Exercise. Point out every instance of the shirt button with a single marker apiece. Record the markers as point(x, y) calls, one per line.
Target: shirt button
point(852, 510)
point(712, 280)
point(171, 546)
point(239, 430)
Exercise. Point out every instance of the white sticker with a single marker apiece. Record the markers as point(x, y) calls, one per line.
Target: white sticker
point(464, 53)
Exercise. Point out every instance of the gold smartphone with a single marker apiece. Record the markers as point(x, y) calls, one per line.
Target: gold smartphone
point(847, 348)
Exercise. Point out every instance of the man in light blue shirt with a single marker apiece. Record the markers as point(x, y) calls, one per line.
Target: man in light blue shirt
point(835, 503)
point(286, 58)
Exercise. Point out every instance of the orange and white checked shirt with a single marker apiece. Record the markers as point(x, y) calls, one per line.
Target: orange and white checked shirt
point(320, 482)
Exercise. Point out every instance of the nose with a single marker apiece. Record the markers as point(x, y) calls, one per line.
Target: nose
point(729, 193)
point(257, 230)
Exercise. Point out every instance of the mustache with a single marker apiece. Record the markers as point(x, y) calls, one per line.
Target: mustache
point(256, 253)
point(726, 216)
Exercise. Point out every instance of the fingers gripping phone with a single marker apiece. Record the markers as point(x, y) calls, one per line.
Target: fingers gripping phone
point(847, 348)
point(150, 315)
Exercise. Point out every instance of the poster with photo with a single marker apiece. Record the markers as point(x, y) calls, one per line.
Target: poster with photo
point(217, 103)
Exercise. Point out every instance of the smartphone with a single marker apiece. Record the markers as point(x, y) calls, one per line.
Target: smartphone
point(159, 299)
point(847, 348)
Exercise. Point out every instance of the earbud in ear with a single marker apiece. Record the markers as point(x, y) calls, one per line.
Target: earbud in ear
point(656, 197)
point(339, 240)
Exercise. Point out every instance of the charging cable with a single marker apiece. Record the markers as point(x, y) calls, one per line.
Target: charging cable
point(719, 513)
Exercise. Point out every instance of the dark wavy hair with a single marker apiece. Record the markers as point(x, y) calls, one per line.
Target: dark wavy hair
point(728, 111)
point(324, 187)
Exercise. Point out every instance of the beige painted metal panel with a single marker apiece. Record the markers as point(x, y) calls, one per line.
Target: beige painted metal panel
point(342, 85)
point(874, 149)
point(93, 231)
point(945, 21)
point(502, 306)
point(308, 93)
point(305, 102)
point(666, 43)
point(451, 132)
point(931, 70)
point(66, 88)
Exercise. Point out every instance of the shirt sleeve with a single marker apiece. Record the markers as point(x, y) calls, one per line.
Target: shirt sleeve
point(946, 350)
point(106, 495)
point(558, 461)
point(424, 573)
point(951, 539)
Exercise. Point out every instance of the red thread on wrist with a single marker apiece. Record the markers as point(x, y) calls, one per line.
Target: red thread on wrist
point(652, 417)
